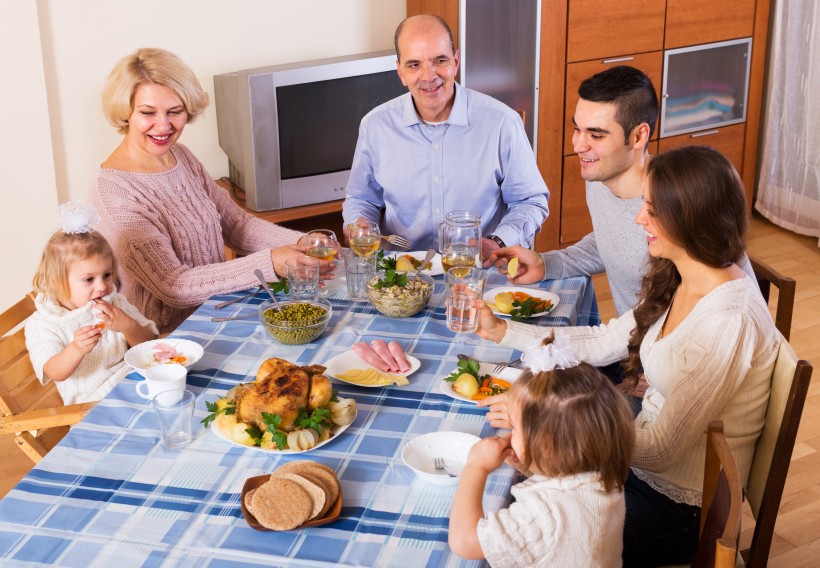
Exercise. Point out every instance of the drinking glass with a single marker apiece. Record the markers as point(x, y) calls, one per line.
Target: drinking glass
point(321, 244)
point(358, 272)
point(175, 411)
point(303, 277)
point(462, 289)
point(364, 238)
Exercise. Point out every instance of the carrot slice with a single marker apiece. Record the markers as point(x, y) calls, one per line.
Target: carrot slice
point(479, 396)
point(501, 383)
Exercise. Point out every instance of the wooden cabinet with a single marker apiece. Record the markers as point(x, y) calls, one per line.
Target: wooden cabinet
point(580, 37)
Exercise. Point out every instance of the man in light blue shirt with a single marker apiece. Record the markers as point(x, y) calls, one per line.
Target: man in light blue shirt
point(442, 148)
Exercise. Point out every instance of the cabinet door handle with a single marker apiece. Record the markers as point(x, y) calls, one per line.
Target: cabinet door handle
point(706, 133)
point(616, 60)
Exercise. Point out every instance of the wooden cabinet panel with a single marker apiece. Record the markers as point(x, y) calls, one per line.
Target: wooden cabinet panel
point(649, 63)
point(691, 22)
point(575, 220)
point(727, 139)
point(600, 29)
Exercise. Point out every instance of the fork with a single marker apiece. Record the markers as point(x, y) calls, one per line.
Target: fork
point(501, 366)
point(254, 292)
point(398, 241)
point(441, 465)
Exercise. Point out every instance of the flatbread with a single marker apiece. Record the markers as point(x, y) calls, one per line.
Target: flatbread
point(314, 471)
point(316, 492)
point(281, 504)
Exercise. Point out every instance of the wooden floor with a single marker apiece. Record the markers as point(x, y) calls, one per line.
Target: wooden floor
point(797, 534)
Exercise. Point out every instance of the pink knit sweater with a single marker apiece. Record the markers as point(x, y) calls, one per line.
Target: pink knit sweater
point(169, 231)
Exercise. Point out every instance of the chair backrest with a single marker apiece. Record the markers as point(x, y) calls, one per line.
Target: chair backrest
point(722, 500)
point(786, 287)
point(770, 464)
point(20, 390)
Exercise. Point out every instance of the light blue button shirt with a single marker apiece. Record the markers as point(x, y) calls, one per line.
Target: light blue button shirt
point(479, 159)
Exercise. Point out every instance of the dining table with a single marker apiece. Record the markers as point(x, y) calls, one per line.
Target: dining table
point(111, 494)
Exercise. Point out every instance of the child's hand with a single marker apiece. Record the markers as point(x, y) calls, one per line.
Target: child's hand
point(499, 414)
point(489, 453)
point(86, 337)
point(114, 318)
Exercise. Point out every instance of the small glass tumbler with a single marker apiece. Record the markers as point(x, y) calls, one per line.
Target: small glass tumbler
point(358, 272)
point(303, 277)
point(462, 288)
point(175, 410)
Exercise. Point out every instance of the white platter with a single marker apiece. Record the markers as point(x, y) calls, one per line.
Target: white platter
point(419, 255)
point(508, 374)
point(349, 360)
point(489, 298)
point(420, 452)
point(336, 431)
point(141, 356)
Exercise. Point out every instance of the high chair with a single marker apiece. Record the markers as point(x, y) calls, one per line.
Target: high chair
point(34, 414)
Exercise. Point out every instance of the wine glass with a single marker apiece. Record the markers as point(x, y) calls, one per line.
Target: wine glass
point(321, 244)
point(364, 238)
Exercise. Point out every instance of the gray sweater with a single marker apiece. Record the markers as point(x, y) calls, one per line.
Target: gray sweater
point(616, 245)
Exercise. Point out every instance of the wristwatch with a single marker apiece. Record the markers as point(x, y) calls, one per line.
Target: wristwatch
point(497, 240)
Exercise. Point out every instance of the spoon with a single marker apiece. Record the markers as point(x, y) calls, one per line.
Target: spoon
point(428, 257)
point(264, 282)
point(231, 318)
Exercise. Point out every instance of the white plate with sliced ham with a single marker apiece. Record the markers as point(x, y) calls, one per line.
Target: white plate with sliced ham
point(345, 364)
point(168, 350)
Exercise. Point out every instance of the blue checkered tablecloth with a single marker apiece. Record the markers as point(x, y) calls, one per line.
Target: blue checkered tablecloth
point(111, 495)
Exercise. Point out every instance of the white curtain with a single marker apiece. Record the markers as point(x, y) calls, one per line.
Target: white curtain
point(789, 186)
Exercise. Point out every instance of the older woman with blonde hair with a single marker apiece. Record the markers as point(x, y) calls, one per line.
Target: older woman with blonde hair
point(166, 219)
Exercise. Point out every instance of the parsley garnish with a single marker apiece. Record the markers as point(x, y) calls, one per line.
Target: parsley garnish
point(385, 262)
point(530, 306)
point(318, 419)
point(391, 278)
point(470, 366)
point(213, 408)
point(272, 421)
point(280, 286)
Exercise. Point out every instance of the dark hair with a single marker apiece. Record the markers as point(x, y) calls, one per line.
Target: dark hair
point(573, 421)
point(698, 199)
point(441, 21)
point(630, 90)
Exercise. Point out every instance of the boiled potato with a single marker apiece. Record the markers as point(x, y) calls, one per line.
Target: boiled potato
point(504, 302)
point(466, 385)
point(403, 263)
point(240, 436)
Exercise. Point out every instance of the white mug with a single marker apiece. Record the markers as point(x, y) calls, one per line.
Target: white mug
point(162, 377)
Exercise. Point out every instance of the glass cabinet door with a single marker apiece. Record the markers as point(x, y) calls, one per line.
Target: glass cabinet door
point(705, 86)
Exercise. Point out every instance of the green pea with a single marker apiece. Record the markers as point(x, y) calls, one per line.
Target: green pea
point(307, 321)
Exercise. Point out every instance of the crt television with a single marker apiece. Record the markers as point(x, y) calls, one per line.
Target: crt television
point(290, 130)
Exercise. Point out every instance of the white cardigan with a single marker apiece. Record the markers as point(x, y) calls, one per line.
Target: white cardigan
point(51, 328)
point(715, 365)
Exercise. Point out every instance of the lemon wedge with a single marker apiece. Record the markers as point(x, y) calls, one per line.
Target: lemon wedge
point(512, 267)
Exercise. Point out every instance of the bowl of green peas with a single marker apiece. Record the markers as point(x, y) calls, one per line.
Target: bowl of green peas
point(295, 322)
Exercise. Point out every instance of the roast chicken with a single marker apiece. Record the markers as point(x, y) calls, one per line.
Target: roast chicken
point(282, 388)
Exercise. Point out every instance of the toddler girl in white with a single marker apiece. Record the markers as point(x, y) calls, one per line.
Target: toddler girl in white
point(572, 434)
point(82, 327)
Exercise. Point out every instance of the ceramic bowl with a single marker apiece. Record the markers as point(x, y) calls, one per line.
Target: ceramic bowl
point(418, 454)
point(141, 356)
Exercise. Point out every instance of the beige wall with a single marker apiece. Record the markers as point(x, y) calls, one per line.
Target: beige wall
point(59, 54)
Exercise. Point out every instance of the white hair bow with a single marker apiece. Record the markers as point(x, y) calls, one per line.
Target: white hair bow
point(77, 217)
point(557, 355)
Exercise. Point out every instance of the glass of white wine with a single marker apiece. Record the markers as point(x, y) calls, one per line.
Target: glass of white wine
point(364, 237)
point(459, 256)
point(321, 244)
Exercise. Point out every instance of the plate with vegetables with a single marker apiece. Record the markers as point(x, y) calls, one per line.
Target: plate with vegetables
point(405, 262)
point(521, 303)
point(471, 381)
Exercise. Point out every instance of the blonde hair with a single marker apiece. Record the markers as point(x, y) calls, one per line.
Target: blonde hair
point(63, 249)
point(146, 66)
point(574, 421)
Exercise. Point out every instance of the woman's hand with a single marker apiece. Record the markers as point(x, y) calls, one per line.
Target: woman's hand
point(531, 267)
point(499, 414)
point(280, 255)
point(490, 327)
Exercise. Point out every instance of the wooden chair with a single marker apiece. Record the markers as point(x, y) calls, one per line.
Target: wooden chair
point(722, 500)
point(768, 276)
point(33, 413)
point(770, 464)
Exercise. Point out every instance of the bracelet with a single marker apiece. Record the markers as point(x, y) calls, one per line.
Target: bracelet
point(497, 240)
